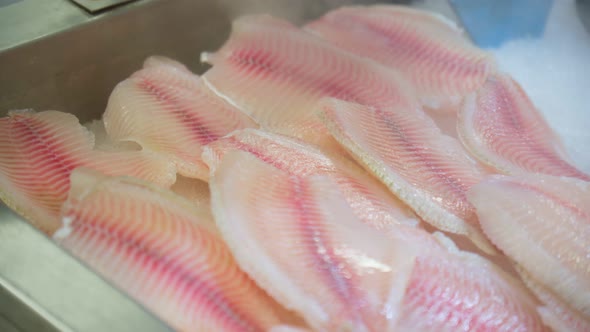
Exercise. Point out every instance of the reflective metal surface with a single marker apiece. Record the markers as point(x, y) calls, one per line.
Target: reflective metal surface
point(75, 69)
point(56, 55)
point(44, 289)
point(23, 21)
point(94, 6)
point(583, 7)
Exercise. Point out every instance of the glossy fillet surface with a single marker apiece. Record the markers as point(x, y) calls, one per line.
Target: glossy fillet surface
point(555, 312)
point(543, 224)
point(103, 142)
point(430, 51)
point(164, 252)
point(38, 151)
point(276, 72)
point(195, 191)
point(298, 238)
point(369, 199)
point(426, 169)
point(501, 127)
point(167, 109)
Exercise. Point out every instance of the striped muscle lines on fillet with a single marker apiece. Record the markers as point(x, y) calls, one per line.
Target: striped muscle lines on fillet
point(275, 73)
point(501, 127)
point(543, 224)
point(369, 199)
point(167, 109)
point(283, 238)
point(427, 170)
point(38, 151)
point(555, 312)
point(460, 291)
point(298, 238)
point(278, 74)
point(164, 252)
point(103, 142)
point(428, 50)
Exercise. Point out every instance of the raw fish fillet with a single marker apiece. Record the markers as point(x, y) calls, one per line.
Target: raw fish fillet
point(38, 151)
point(103, 142)
point(369, 199)
point(168, 110)
point(164, 252)
point(427, 170)
point(275, 73)
point(288, 328)
point(194, 190)
point(298, 238)
point(463, 292)
point(158, 60)
point(555, 313)
point(501, 127)
point(430, 51)
point(543, 224)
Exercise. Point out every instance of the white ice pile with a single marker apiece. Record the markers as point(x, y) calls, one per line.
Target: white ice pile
point(555, 72)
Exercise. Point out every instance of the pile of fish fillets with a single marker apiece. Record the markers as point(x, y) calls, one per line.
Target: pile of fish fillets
point(370, 171)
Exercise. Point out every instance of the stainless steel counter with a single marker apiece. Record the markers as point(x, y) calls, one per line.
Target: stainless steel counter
point(55, 54)
point(43, 289)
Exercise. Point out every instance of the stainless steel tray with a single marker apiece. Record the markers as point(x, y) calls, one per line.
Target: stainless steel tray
point(55, 54)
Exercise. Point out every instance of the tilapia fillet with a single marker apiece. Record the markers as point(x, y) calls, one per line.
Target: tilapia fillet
point(556, 313)
point(501, 127)
point(278, 73)
point(298, 238)
point(164, 252)
point(543, 224)
point(168, 110)
point(369, 199)
point(275, 72)
point(427, 170)
point(38, 151)
point(103, 142)
point(194, 190)
point(428, 50)
point(159, 60)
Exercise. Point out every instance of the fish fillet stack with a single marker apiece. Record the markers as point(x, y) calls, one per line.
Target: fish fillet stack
point(369, 171)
